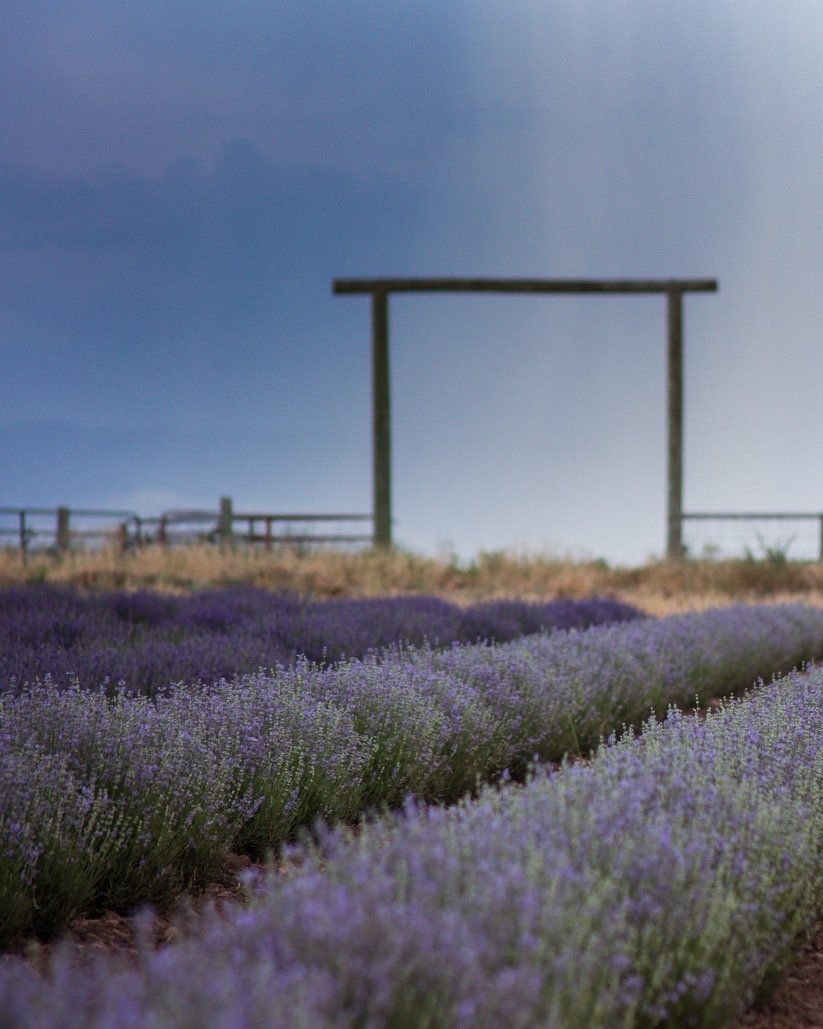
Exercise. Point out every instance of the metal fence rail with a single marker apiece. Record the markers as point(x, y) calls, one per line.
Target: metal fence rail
point(776, 549)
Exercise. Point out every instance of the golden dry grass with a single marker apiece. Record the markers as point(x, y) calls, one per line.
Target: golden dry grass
point(660, 587)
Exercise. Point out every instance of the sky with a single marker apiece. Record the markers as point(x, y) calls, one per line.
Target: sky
point(181, 181)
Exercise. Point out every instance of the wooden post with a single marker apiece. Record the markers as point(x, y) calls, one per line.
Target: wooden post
point(821, 537)
point(674, 518)
point(224, 526)
point(381, 427)
point(63, 535)
point(24, 538)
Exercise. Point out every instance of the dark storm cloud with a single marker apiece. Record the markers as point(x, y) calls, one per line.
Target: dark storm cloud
point(219, 247)
point(202, 297)
point(357, 86)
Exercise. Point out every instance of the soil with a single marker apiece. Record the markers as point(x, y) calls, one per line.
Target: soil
point(796, 1003)
point(115, 933)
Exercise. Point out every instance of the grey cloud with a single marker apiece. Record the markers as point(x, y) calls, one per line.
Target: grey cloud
point(212, 245)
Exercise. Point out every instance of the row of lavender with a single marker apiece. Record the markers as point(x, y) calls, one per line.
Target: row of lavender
point(661, 884)
point(108, 802)
point(147, 640)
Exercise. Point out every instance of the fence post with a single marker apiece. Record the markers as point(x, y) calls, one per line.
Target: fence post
point(224, 525)
point(63, 534)
point(381, 427)
point(24, 539)
point(821, 537)
point(674, 534)
point(123, 536)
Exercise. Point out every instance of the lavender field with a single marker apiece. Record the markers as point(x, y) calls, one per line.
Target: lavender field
point(662, 883)
point(116, 795)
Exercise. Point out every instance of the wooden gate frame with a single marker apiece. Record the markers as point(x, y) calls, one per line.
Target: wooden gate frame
point(380, 290)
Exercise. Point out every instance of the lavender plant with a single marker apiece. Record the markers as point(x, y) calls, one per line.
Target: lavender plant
point(176, 803)
point(292, 756)
point(58, 835)
point(662, 883)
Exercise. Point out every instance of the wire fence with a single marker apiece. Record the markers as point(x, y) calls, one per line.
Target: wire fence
point(768, 536)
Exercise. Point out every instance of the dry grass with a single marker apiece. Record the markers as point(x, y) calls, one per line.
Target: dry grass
point(659, 587)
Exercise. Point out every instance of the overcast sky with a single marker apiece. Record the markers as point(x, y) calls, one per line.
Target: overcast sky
point(180, 182)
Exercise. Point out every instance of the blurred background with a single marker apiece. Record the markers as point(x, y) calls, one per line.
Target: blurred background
point(180, 184)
